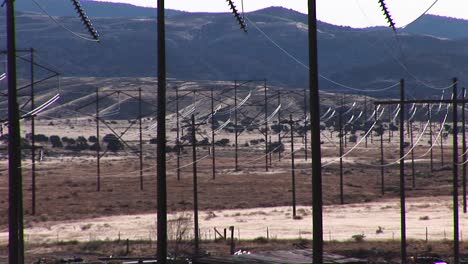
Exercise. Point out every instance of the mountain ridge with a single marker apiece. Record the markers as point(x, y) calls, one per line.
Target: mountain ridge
point(210, 46)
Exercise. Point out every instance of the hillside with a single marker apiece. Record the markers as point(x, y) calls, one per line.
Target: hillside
point(206, 46)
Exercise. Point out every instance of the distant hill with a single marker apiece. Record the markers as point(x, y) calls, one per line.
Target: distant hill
point(209, 46)
point(92, 8)
point(438, 26)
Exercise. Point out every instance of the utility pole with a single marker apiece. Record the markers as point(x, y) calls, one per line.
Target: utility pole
point(33, 140)
point(293, 174)
point(177, 135)
point(365, 118)
point(98, 148)
point(340, 124)
point(429, 112)
point(15, 196)
point(441, 148)
point(280, 126)
point(140, 138)
point(382, 169)
point(317, 203)
point(161, 139)
point(236, 135)
point(195, 186)
point(266, 126)
point(305, 126)
point(456, 232)
point(413, 177)
point(402, 172)
point(464, 150)
point(213, 157)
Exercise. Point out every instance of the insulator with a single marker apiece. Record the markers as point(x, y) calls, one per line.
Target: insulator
point(85, 20)
point(236, 15)
point(387, 14)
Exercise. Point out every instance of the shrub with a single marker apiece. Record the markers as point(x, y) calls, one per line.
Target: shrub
point(222, 142)
point(358, 238)
point(55, 141)
point(41, 138)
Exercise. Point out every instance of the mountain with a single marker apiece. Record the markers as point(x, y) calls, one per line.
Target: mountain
point(209, 46)
point(93, 9)
point(438, 26)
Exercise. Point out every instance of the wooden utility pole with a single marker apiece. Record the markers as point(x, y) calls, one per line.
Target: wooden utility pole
point(177, 133)
point(161, 139)
point(429, 112)
point(340, 124)
point(382, 169)
point(266, 126)
point(293, 174)
point(456, 232)
point(365, 118)
point(280, 126)
point(195, 186)
point(98, 146)
point(305, 126)
point(413, 177)
point(33, 140)
point(236, 133)
point(213, 155)
point(464, 150)
point(15, 196)
point(140, 128)
point(402, 172)
point(317, 203)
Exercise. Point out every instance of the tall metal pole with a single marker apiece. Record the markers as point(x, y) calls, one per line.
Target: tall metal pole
point(213, 157)
point(456, 244)
point(293, 174)
point(266, 126)
point(161, 139)
point(195, 186)
point(402, 172)
point(15, 212)
point(317, 203)
point(464, 150)
point(305, 126)
point(140, 137)
point(236, 135)
point(177, 135)
point(98, 148)
point(33, 140)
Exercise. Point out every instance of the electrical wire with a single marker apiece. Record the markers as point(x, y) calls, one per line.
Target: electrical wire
point(62, 26)
point(307, 67)
point(409, 151)
point(425, 12)
point(434, 142)
point(357, 144)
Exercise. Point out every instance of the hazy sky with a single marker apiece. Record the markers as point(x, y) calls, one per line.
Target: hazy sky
point(355, 13)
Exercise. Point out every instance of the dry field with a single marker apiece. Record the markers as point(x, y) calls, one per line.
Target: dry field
point(252, 199)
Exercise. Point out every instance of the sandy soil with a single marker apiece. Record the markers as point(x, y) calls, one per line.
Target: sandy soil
point(341, 222)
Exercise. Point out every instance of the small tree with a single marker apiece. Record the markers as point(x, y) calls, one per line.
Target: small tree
point(113, 142)
point(55, 141)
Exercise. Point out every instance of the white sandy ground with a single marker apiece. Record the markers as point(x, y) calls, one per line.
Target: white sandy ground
point(340, 223)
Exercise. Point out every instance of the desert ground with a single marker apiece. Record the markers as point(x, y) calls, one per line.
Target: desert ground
point(258, 203)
